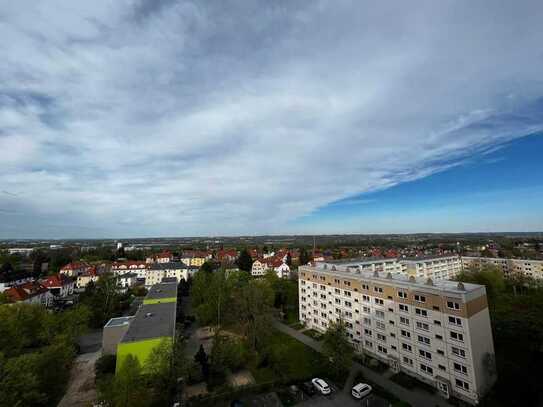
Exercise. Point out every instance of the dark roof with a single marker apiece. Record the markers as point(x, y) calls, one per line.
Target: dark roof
point(169, 280)
point(152, 321)
point(173, 265)
point(163, 290)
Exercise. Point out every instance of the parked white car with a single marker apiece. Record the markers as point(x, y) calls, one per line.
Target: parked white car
point(321, 386)
point(361, 390)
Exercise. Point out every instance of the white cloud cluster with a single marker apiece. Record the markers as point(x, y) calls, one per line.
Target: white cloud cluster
point(138, 118)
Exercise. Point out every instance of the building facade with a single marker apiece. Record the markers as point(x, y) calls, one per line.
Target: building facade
point(528, 268)
point(434, 267)
point(438, 332)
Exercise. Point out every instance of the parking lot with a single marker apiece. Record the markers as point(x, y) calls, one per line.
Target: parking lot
point(338, 398)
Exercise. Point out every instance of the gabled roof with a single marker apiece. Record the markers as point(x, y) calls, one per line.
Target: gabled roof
point(56, 280)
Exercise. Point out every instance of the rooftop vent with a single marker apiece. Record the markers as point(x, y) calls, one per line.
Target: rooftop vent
point(460, 286)
point(429, 282)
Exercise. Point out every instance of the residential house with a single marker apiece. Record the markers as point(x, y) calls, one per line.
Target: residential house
point(74, 269)
point(127, 280)
point(30, 293)
point(84, 279)
point(59, 285)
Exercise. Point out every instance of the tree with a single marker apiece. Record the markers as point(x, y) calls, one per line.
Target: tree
point(127, 388)
point(244, 261)
point(304, 257)
point(289, 259)
point(337, 348)
point(201, 358)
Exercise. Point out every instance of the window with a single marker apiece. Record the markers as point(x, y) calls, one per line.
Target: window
point(338, 301)
point(440, 352)
point(426, 369)
point(435, 308)
point(423, 339)
point(365, 287)
point(380, 314)
point(338, 310)
point(367, 321)
point(337, 290)
point(420, 298)
point(366, 309)
point(323, 287)
point(366, 298)
point(380, 325)
point(407, 361)
point(458, 352)
point(391, 322)
point(404, 320)
point(347, 283)
point(379, 301)
point(439, 337)
point(381, 337)
point(378, 289)
point(455, 321)
point(425, 354)
point(462, 384)
point(407, 347)
point(453, 305)
point(347, 293)
point(323, 297)
point(382, 349)
point(460, 368)
point(421, 312)
point(441, 367)
point(403, 308)
point(402, 294)
point(423, 325)
point(367, 332)
point(369, 344)
point(392, 347)
point(405, 334)
point(336, 281)
point(348, 304)
point(436, 322)
point(457, 336)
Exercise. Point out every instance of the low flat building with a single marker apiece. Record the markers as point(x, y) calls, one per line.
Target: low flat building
point(436, 331)
point(153, 324)
point(113, 332)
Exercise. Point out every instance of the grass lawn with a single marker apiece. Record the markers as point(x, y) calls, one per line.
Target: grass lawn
point(313, 334)
point(286, 359)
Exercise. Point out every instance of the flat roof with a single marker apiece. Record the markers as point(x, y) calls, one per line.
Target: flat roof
point(118, 321)
point(152, 321)
point(162, 290)
point(396, 279)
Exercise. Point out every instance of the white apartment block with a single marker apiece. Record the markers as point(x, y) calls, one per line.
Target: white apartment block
point(529, 268)
point(438, 332)
point(155, 272)
point(434, 267)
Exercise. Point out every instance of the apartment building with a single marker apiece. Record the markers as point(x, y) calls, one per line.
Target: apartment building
point(155, 272)
point(434, 267)
point(529, 268)
point(436, 331)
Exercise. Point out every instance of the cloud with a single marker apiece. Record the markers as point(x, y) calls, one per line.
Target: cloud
point(138, 118)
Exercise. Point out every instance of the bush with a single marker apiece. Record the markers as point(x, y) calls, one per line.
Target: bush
point(105, 365)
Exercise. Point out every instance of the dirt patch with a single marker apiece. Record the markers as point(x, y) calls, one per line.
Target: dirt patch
point(81, 388)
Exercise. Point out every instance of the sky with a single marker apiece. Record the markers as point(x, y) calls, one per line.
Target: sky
point(136, 118)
